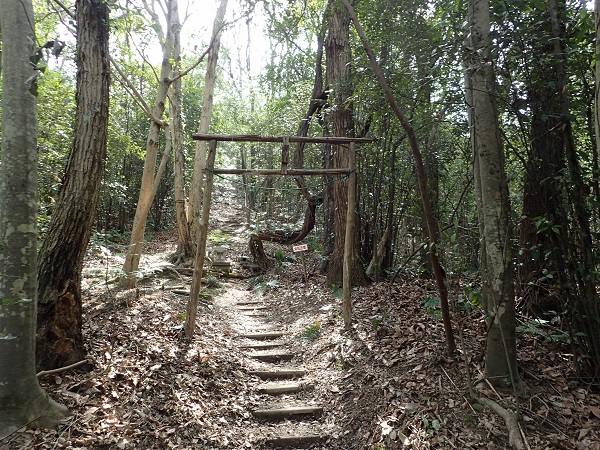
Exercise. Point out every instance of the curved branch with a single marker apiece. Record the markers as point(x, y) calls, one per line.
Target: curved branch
point(283, 237)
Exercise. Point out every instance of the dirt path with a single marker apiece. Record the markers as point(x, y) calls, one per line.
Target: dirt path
point(287, 411)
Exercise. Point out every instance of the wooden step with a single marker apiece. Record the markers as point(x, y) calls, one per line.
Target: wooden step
point(286, 413)
point(261, 345)
point(253, 308)
point(282, 388)
point(300, 441)
point(249, 302)
point(265, 335)
point(277, 374)
point(272, 357)
point(257, 314)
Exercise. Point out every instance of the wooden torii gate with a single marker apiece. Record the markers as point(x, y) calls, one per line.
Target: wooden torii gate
point(192, 306)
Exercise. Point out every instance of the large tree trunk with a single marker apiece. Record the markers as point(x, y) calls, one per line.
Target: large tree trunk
point(22, 401)
point(150, 181)
point(493, 204)
point(204, 123)
point(583, 305)
point(59, 336)
point(341, 122)
point(545, 225)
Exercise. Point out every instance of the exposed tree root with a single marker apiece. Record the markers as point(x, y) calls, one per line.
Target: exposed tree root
point(515, 438)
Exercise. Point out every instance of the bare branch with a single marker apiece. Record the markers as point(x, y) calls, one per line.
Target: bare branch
point(62, 369)
point(135, 94)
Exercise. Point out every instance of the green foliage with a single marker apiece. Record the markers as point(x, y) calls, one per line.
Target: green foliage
point(432, 306)
point(337, 292)
point(212, 281)
point(260, 285)
point(218, 237)
point(470, 298)
point(379, 446)
point(543, 225)
point(537, 327)
point(56, 113)
point(312, 332)
point(477, 406)
point(431, 426)
point(380, 320)
point(110, 237)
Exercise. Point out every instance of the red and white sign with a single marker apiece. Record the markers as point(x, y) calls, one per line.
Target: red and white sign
point(300, 248)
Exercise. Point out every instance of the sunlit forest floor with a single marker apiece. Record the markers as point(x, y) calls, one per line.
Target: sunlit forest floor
point(386, 384)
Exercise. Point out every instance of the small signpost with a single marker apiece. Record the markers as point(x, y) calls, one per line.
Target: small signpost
point(301, 248)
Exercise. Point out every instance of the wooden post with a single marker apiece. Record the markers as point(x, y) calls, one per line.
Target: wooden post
point(285, 151)
point(304, 268)
point(349, 239)
point(192, 306)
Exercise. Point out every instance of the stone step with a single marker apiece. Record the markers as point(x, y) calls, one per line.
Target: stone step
point(300, 441)
point(261, 345)
point(265, 335)
point(272, 357)
point(257, 314)
point(277, 374)
point(287, 413)
point(282, 388)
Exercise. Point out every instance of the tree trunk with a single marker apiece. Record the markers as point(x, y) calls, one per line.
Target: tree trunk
point(492, 199)
point(544, 228)
point(584, 309)
point(149, 179)
point(283, 237)
point(203, 125)
point(374, 268)
point(597, 83)
point(388, 259)
point(432, 171)
point(185, 247)
point(432, 225)
point(59, 336)
point(328, 204)
point(22, 401)
point(342, 125)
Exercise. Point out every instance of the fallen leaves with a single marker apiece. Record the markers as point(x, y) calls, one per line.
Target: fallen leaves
point(386, 382)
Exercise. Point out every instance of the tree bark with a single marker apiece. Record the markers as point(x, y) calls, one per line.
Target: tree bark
point(59, 335)
point(544, 228)
point(22, 401)
point(340, 118)
point(493, 203)
point(205, 116)
point(584, 308)
point(185, 247)
point(192, 305)
point(149, 179)
point(597, 81)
